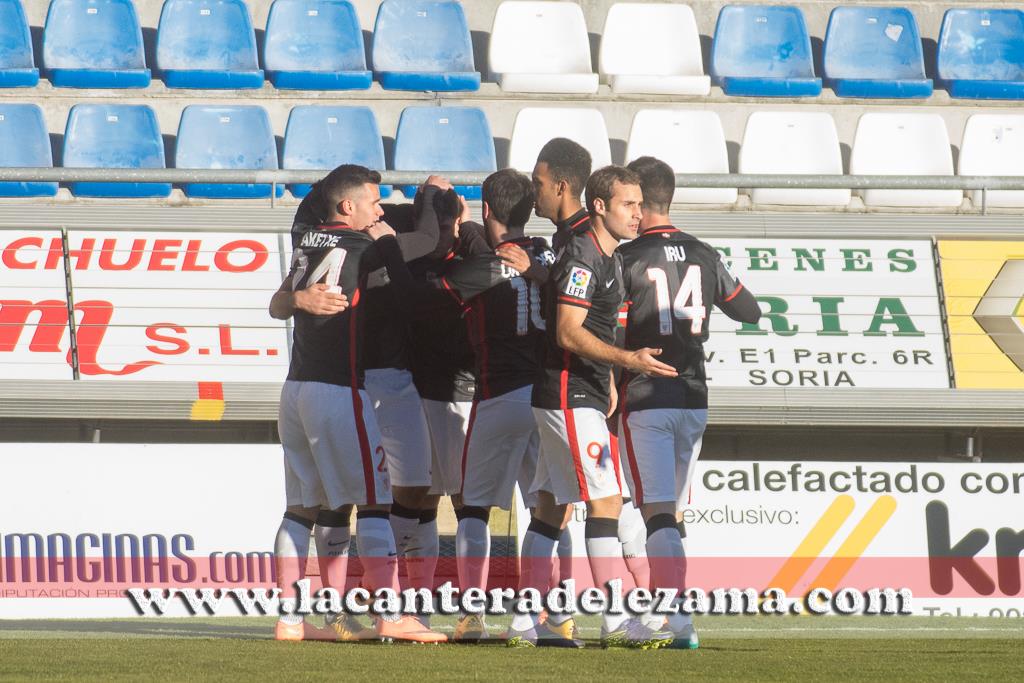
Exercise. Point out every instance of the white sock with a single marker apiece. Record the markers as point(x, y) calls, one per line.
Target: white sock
point(668, 563)
point(537, 557)
point(377, 552)
point(404, 528)
point(421, 552)
point(332, 544)
point(291, 550)
point(565, 558)
point(472, 552)
point(604, 551)
point(633, 535)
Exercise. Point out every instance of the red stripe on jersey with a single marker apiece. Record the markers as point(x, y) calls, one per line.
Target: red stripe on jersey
point(732, 296)
point(579, 222)
point(481, 329)
point(613, 447)
point(630, 454)
point(357, 404)
point(455, 295)
point(574, 300)
point(570, 428)
point(596, 243)
point(660, 231)
point(465, 444)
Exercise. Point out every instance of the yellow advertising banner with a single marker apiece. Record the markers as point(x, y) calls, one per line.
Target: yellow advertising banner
point(984, 287)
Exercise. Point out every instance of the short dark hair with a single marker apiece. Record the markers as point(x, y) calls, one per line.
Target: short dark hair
point(601, 183)
point(509, 195)
point(339, 183)
point(567, 160)
point(657, 181)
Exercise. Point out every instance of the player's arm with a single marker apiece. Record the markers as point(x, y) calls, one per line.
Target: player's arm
point(386, 252)
point(573, 337)
point(735, 300)
point(470, 277)
point(472, 239)
point(514, 256)
point(315, 299)
point(423, 239)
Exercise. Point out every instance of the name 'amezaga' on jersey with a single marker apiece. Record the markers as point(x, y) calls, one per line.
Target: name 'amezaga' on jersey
point(671, 279)
point(328, 348)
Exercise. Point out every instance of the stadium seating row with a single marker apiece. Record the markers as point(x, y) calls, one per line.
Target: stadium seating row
point(459, 139)
point(425, 45)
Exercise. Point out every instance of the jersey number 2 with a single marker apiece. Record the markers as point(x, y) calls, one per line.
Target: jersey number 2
point(687, 304)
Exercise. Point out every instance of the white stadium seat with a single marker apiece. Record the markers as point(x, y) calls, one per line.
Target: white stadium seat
point(541, 47)
point(903, 144)
point(535, 126)
point(994, 145)
point(792, 142)
point(670, 62)
point(689, 142)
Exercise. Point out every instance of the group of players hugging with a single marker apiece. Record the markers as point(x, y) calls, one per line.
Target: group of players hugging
point(434, 355)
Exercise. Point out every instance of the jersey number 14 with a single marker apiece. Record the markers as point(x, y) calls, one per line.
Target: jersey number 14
point(687, 304)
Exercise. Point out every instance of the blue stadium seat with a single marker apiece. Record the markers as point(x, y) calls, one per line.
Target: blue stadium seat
point(17, 66)
point(207, 44)
point(875, 52)
point(981, 53)
point(114, 136)
point(226, 137)
point(315, 45)
point(444, 139)
point(94, 44)
point(763, 51)
point(325, 137)
point(423, 45)
point(24, 142)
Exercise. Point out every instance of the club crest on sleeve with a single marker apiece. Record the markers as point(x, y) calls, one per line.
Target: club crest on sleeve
point(579, 279)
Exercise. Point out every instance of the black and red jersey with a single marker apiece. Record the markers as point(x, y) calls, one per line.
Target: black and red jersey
point(583, 275)
point(671, 281)
point(440, 355)
point(505, 324)
point(329, 348)
point(564, 230)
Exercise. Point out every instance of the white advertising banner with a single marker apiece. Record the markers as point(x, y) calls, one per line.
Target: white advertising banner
point(950, 533)
point(148, 305)
point(83, 522)
point(837, 313)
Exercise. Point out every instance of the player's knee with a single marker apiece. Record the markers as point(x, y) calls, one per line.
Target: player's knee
point(605, 507)
point(302, 515)
point(335, 518)
point(473, 512)
point(601, 527)
point(411, 496)
point(400, 510)
point(538, 526)
point(660, 521)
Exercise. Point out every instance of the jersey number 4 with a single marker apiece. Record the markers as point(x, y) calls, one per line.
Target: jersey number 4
point(527, 305)
point(328, 271)
point(687, 304)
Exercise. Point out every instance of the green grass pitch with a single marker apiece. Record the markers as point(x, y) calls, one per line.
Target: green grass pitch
point(732, 648)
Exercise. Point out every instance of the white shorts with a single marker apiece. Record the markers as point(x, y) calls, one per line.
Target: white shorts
point(403, 426)
point(332, 449)
point(576, 460)
point(501, 440)
point(661, 447)
point(448, 423)
point(528, 469)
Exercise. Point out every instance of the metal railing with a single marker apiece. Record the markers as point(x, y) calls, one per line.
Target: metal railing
point(699, 180)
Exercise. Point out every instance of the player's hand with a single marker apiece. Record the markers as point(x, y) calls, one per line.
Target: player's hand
point(643, 362)
point(439, 181)
point(613, 402)
point(379, 229)
point(320, 300)
point(514, 257)
point(464, 213)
